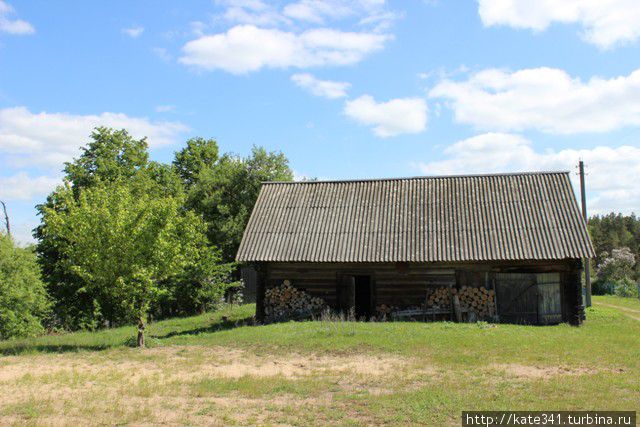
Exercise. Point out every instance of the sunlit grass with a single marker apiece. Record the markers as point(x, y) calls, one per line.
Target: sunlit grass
point(188, 377)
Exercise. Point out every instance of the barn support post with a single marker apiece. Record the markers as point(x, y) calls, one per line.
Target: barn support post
point(574, 294)
point(587, 261)
point(261, 279)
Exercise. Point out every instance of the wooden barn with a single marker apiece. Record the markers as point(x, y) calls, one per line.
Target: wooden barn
point(503, 247)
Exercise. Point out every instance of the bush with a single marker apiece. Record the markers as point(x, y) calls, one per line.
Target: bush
point(23, 300)
point(602, 287)
point(626, 288)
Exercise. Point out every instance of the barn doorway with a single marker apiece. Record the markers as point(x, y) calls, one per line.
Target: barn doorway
point(529, 298)
point(362, 297)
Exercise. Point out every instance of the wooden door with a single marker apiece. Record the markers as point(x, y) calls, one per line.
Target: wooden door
point(549, 300)
point(346, 293)
point(517, 297)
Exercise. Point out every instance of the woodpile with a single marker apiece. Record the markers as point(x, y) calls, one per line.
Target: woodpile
point(480, 301)
point(384, 310)
point(440, 297)
point(286, 302)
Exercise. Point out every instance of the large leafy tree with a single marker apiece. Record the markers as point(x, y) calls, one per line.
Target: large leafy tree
point(23, 299)
point(224, 189)
point(110, 156)
point(115, 159)
point(124, 244)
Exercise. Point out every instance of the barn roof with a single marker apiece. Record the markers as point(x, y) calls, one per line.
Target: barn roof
point(523, 216)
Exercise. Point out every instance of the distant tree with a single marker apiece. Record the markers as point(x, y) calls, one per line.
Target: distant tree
point(614, 231)
point(199, 154)
point(23, 299)
point(616, 266)
point(124, 244)
point(225, 192)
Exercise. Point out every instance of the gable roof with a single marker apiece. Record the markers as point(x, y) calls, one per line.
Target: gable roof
point(522, 216)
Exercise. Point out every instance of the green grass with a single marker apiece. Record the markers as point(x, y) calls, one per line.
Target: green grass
point(632, 303)
point(157, 333)
point(201, 370)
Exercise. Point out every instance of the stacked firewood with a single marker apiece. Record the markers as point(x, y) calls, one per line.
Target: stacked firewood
point(286, 302)
point(385, 310)
point(478, 300)
point(440, 297)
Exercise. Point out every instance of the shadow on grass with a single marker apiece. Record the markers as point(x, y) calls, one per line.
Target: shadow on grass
point(19, 349)
point(33, 347)
point(223, 325)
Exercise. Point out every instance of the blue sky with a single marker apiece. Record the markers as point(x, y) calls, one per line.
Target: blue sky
point(345, 89)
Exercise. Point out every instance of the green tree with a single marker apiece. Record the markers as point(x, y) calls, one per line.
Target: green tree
point(115, 158)
point(199, 154)
point(225, 192)
point(614, 231)
point(23, 299)
point(124, 244)
point(110, 156)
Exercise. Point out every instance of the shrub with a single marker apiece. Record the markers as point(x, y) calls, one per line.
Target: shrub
point(23, 299)
point(626, 288)
point(602, 287)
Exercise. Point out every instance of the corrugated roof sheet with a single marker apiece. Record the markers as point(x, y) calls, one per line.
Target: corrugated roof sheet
point(426, 219)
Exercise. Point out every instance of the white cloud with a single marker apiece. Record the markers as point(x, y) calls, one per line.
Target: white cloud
point(545, 99)
point(372, 13)
point(325, 88)
point(22, 232)
point(612, 180)
point(246, 48)
point(605, 23)
point(165, 108)
point(253, 12)
point(318, 11)
point(13, 26)
point(49, 139)
point(24, 187)
point(391, 118)
point(133, 32)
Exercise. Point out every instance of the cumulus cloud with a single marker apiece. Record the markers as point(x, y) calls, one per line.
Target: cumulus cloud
point(605, 23)
point(24, 187)
point(246, 48)
point(133, 32)
point(612, 180)
point(49, 139)
point(325, 88)
point(13, 26)
point(394, 117)
point(545, 99)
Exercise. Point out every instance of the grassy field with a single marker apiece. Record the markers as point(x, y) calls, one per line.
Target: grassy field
point(201, 370)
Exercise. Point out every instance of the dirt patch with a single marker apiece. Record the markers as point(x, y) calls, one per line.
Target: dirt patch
point(179, 363)
point(537, 372)
point(156, 385)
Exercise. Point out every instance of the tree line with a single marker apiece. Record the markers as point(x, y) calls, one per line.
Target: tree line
point(125, 238)
point(616, 241)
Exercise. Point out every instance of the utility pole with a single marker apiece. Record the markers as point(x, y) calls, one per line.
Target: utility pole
point(6, 218)
point(587, 261)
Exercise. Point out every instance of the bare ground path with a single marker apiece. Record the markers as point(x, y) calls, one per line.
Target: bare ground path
point(629, 312)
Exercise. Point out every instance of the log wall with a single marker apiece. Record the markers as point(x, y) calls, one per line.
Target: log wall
point(401, 284)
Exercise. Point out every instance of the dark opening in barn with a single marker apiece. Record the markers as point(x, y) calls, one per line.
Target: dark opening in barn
point(504, 247)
